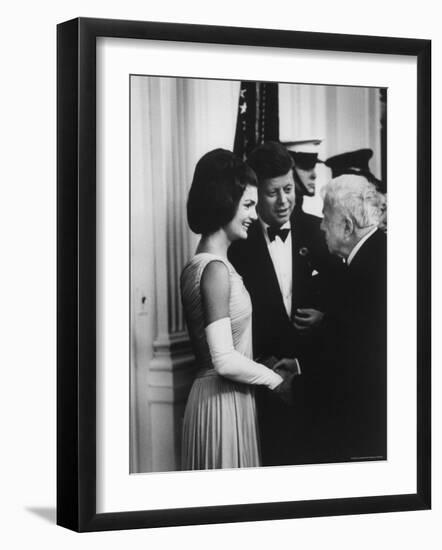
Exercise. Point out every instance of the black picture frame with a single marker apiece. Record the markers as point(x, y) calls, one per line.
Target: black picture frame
point(76, 273)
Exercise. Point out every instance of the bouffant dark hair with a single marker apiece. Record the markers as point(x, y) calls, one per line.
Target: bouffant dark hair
point(218, 184)
point(270, 160)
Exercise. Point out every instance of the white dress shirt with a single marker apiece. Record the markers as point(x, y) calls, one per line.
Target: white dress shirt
point(281, 254)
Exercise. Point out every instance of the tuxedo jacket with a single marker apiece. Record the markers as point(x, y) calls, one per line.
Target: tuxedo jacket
point(313, 273)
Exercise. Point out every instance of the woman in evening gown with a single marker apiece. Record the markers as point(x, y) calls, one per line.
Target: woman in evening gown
point(220, 422)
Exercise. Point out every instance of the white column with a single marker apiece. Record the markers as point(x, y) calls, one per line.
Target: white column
point(171, 368)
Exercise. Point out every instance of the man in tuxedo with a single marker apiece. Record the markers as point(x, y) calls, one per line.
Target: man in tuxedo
point(282, 268)
point(355, 409)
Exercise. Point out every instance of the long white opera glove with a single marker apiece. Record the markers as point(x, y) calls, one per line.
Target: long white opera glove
point(234, 365)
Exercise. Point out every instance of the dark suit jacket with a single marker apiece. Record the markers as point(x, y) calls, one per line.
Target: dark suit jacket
point(273, 331)
point(364, 347)
point(351, 377)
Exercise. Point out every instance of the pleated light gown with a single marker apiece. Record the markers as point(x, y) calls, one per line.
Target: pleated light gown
point(220, 421)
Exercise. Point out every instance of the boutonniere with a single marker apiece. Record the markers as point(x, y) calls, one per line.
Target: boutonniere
point(303, 251)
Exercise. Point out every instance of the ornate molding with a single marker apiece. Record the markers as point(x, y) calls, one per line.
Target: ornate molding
point(172, 368)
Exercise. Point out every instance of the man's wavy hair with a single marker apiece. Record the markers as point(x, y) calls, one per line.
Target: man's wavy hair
point(270, 160)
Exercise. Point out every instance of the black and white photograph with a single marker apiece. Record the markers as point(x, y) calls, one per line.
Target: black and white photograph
point(235, 342)
point(221, 253)
point(258, 274)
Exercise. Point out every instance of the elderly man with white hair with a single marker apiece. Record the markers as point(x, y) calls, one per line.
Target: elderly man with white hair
point(351, 424)
point(353, 210)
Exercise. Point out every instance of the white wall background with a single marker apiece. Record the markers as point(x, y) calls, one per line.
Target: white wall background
point(27, 292)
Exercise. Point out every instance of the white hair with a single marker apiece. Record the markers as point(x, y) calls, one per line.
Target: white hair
point(356, 198)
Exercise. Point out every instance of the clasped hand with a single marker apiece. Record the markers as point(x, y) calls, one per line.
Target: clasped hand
point(307, 318)
point(287, 369)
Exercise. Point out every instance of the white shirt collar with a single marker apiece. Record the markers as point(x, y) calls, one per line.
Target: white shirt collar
point(359, 244)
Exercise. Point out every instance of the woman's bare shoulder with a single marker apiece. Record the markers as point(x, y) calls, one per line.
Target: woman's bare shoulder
point(215, 290)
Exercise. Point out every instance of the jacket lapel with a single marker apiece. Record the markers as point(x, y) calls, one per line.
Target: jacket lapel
point(301, 267)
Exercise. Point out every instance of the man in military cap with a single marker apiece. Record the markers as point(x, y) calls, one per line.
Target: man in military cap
point(304, 153)
point(357, 163)
point(305, 158)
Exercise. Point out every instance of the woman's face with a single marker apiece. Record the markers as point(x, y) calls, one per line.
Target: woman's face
point(245, 214)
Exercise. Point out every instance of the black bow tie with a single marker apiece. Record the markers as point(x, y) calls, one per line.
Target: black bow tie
point(282, 233)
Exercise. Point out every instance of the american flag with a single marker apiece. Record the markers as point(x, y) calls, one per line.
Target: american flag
point(258, 116)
